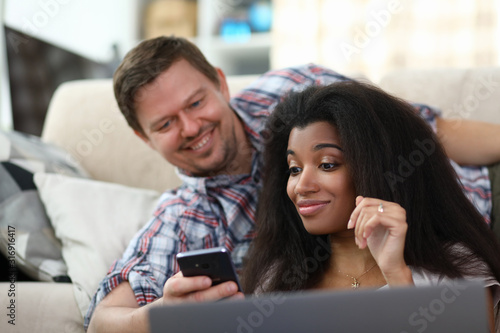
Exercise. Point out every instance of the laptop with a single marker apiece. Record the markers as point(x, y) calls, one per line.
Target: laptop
point(458, 306)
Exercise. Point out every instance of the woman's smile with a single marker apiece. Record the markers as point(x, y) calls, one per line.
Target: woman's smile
point(311, 207)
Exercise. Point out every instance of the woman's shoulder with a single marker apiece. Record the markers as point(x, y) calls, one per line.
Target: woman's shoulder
point(472, 266)
point(476, 270)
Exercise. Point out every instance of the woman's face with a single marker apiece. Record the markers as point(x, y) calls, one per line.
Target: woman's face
point(319, 184)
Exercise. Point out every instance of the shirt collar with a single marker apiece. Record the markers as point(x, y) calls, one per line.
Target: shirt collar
point(205, 184)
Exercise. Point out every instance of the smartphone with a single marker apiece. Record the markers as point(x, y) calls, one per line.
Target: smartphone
point(215, 263)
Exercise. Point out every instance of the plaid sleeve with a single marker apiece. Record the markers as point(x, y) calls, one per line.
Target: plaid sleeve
point(147, 263)
point(263, 94)
point(256, 102)
point(429, 114)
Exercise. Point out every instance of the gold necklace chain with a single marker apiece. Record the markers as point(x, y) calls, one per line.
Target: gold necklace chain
point(355, 280)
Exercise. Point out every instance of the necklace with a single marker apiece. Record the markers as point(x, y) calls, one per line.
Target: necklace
point(355, 280)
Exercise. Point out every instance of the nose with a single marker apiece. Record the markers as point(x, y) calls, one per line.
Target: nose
point(190, 124)
point(306, 182)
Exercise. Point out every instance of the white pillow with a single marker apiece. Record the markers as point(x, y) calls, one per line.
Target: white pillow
point(95, 222)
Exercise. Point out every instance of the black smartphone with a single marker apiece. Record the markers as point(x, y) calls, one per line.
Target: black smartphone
point(215, 263)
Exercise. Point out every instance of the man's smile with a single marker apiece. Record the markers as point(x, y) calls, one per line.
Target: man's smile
point(202, 142)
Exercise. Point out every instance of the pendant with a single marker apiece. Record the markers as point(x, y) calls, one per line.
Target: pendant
point(355, 284)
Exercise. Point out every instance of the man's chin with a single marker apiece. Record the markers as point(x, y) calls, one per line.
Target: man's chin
point(207, 169)
point(211, 165)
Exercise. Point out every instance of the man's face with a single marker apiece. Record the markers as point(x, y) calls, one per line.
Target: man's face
point(187, 119)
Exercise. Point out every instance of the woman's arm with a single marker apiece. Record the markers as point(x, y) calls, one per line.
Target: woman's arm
point(470, 142)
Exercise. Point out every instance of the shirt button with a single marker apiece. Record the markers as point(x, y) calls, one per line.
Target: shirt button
point(139, 254)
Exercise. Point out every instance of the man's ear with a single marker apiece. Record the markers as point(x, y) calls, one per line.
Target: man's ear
point(224, 89)
point(143, 138)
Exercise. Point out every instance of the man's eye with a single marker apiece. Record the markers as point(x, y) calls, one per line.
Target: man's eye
point(166, 124)
point(328, 166)
point(195, 104)
point(294, 170)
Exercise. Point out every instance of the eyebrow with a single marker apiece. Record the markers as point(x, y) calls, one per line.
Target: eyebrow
point(317, 147)
point(186, 101)
point(326, 145)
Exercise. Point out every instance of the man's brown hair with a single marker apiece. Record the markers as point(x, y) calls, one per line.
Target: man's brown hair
point(144, 63)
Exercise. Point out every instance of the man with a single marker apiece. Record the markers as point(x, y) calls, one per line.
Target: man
point(180, 106)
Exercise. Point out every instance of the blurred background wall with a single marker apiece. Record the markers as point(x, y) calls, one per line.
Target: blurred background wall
point(47, 42)
point(374, 37)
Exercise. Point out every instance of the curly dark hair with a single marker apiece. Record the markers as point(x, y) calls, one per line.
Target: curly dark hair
point(392, 154)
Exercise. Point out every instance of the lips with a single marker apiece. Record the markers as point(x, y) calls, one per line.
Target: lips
point(310, 207)
point(201, 143)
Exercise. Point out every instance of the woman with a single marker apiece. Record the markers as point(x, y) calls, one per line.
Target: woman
point(359, 193)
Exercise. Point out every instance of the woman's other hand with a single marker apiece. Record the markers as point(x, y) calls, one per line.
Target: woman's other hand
point(381, 226)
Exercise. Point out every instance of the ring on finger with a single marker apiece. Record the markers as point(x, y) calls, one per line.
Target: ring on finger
point(380, 208)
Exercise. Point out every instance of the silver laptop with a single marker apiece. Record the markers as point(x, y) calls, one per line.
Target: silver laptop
point(455, 307)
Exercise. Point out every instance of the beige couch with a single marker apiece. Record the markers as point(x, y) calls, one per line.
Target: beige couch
point(83, 119)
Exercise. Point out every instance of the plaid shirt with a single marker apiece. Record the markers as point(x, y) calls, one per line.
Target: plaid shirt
point(215, 211)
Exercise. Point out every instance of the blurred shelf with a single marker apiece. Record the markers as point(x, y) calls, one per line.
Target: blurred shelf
point(256, 41)
point(236, 55)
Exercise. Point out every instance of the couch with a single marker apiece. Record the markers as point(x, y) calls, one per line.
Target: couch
point(122, 178)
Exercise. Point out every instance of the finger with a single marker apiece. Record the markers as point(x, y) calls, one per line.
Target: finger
point(388, 222)
point(394, 222)
point(366, 211)
point(360, 231)
point(238, 295)
point(396, 225)
point(177, 275)
point(179, 286)
point(223, 290)
point(361, 202)
point(355, 213)
point(369, 225)
point(363, 212)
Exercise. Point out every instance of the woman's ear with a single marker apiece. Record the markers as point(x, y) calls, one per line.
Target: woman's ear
point(223, 87)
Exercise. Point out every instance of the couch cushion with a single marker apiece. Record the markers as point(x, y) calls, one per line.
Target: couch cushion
point(22, 215)
point(84, 119)
point(95, 221)
point(41, 307)
point(460, 93)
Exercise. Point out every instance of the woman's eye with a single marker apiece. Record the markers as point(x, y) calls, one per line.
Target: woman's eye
point(328, 166)
point(294, 170)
